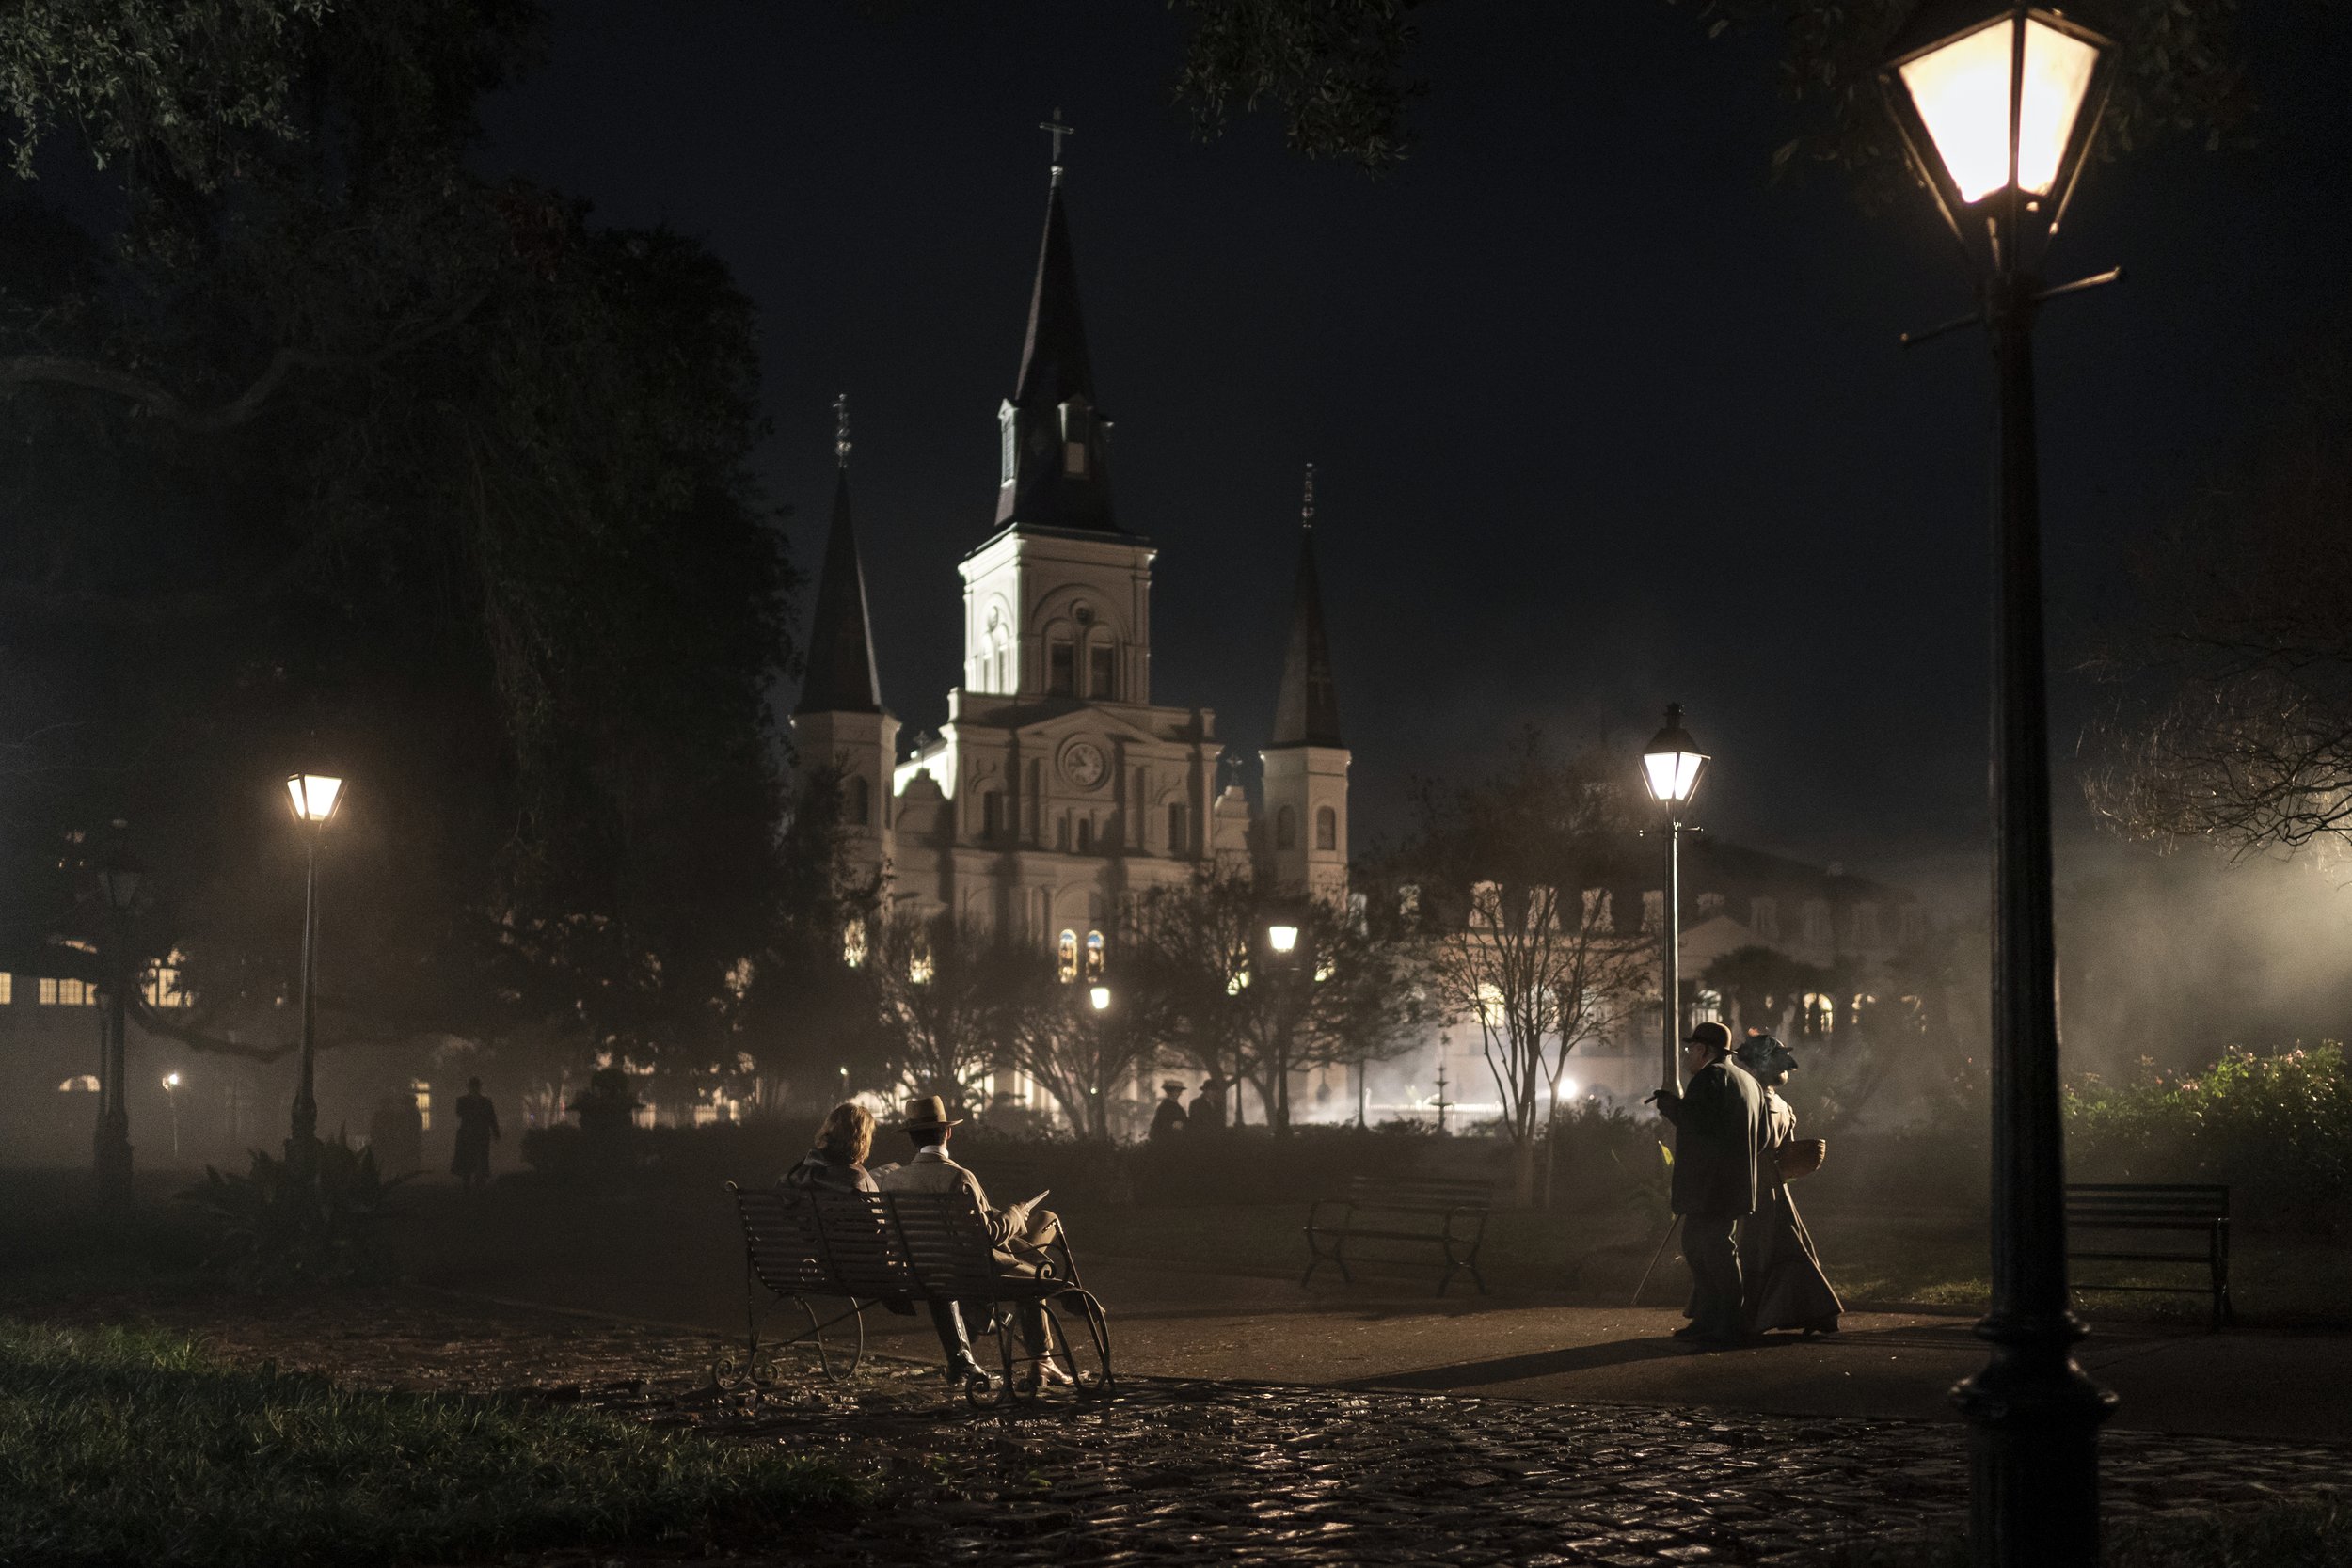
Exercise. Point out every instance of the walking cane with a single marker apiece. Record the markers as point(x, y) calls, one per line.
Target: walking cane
point(1654, 1258)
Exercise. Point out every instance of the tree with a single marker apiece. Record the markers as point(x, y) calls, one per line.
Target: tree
point(1196, 958)
point(2233, 721)
point(1518, 946)
point(1340, 72)
point(1079, 1054)
point(1763, 986)
point(951, 998)
point(331, 453)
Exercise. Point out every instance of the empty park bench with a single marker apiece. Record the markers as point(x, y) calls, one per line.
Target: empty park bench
point(2112, 1210)
point(865, 1249)
point(1408, 1215)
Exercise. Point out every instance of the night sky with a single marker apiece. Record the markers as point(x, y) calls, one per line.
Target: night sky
point(1602, 415)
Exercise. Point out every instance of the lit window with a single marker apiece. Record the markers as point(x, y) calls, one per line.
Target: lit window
point(163, 985)
point(45, 990)
point(424, 1091)
point(8, 989)
point(853, 943)
point(1327, 829)
point(1067, 955)
point(1490, 1009)
point(919, 967)
point(1819, 1015)
point(1095, 955)
point(81, 1082)
point(68, 993)
point(1708, 1007)
point(1286, 828)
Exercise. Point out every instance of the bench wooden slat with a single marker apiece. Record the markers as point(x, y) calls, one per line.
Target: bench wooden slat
point(2192, 1207)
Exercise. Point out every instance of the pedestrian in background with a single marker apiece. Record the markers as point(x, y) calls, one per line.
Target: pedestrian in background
point(1720, 1139)
point(477, 1129)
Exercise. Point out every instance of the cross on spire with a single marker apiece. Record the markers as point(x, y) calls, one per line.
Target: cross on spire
point(842, 428)
point(1057, 129)
point(1306, 505)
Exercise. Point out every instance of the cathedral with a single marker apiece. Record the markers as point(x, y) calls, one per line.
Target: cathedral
point(1058, 786)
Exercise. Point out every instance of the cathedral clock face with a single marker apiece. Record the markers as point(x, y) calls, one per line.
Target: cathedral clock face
point(1082, 762)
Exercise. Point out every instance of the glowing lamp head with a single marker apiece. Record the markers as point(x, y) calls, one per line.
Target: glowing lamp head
point(1672, 761)
point(1101, 998)
point(315, 796)
point(171, 1080)
point(1997, 100)
point(1282, 938)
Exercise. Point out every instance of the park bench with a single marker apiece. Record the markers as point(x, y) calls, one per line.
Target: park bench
point(1413, 1215)
point(2112, 1210)
point(868, 1249)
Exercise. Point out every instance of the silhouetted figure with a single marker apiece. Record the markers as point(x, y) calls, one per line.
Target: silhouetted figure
point(607, 1109)
point(1720, 1139)
point(1170, 1120)
point(396, 1132)
point(477, 1129)
point(1784, 1285)
point(1208, 1107)
point(1018, 1237)
point(838, 1163)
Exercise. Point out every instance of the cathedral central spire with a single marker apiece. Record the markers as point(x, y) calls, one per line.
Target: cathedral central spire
point(1307, 705)
point(1055, 441)
point(841, 676)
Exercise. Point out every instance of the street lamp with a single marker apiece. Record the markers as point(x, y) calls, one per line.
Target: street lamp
point(1671, 765)
point(1282, 938)
point(315, 796)
point(171, 1098)
point(119, 878)
point(1100, 997)
point(1997, 108)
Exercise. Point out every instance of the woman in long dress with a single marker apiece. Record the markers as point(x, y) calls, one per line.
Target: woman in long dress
point(1783, 1284)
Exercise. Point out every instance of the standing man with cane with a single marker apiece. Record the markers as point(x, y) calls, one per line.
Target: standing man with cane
point(1720, 1137)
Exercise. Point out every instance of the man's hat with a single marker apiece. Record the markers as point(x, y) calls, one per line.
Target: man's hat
point(928, 1112)
point(1710, 1035)
point(1172, 1085)
point(1215, 1080)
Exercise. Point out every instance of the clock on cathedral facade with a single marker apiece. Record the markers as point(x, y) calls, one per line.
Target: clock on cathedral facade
point(1056, 788)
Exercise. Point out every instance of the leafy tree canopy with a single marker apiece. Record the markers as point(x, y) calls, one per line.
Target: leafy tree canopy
point(319, 450)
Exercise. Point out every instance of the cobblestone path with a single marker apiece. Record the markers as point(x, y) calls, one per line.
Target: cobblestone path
point(1198, 1473)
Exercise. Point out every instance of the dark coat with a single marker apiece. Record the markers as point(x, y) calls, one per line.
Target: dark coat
point(816, 1171)
point(1721, 1135)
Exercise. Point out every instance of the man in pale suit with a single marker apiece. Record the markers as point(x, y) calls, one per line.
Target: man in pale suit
point(1010, 1232)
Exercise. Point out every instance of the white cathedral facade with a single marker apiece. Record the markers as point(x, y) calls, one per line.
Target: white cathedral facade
point(1058, 786)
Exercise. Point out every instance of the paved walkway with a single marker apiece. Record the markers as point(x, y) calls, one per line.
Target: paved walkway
point(1179, 1472)
point(1179, 1322)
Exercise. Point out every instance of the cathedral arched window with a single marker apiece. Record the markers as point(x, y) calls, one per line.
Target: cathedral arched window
point(1066, 956)
point(1007, 465)
point(1062, 666)
point(858, 802)
point(1095, 955)
point(1326, 828)
point(1101, 668)
point(1286, 828)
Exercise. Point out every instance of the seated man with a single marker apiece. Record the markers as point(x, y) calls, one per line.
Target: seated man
point(1012, 1231)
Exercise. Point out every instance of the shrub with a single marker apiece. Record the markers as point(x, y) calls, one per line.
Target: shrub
point(278, 1225)
point(2277, 1129)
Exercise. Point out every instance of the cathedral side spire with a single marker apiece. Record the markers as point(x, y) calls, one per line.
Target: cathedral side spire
point(841, 676)
point(1054, 439)
point(1307, 707)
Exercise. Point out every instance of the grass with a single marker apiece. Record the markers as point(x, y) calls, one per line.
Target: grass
point(128, 1446)
point(2298, 1535)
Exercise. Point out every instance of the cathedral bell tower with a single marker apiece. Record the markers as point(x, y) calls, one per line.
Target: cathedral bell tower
point(1304, 830)
point(839, 721)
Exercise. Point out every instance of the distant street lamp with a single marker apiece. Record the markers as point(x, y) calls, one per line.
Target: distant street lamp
point(1281, 938)
point(119, 878)
point(1283, 928)
point(1997, 107)
point(315, 796)
point(1671, 765)
point(171, 1098)
point(1100, 997)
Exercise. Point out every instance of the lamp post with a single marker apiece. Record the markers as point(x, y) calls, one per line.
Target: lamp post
point(1996, 108)
point(315, 796)
point(1671, 765)
point(119, 878)
point(1284, 929)
point(171, 1098)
